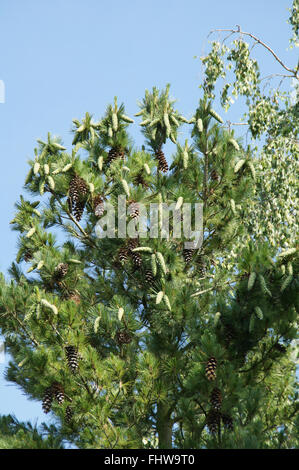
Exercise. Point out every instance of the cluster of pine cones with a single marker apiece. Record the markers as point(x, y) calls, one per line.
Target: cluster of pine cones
point(56, 390)
point(78, 192)
point(126, 251)
point(215, 416)
point(188, 255)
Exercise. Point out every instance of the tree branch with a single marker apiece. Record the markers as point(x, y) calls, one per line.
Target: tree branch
point(294, 72)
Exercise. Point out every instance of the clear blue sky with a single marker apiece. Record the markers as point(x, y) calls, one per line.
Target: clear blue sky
point(61, 58)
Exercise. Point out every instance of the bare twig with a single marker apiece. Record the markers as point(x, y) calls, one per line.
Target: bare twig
point(267, 77)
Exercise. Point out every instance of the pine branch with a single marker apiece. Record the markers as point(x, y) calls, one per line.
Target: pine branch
point(27, 333)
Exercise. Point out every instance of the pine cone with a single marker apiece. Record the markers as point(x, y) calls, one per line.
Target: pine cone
point(72, 357)
point(213, 421)
point(78, 191)
point(98, 206)
point(211, 368)
point(214, 175)
point(47, 400)
point(139, 179)
point(68, 415)
point(28, 255)
point(123, 337)
point(216, 398)
point(61, 270)
point(123, 254)
point(227, 422)
point(78, 210)
point(114, 153)
point(162, 163)
point(136, 257)
point(132, 243)
point(201, 266)
point(137, 260)
point(58, 392)
point(78, 188)
point(134, 209)
point(187, 254)
point(149, 277)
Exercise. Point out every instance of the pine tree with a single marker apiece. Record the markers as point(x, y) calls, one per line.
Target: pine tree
point(173, 345)
point(18, 435)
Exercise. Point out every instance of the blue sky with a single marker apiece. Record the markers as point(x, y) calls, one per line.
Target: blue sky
point(61, 58)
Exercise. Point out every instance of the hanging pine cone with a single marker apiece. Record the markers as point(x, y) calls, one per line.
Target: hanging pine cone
point(214, 175)
point(162, 163)
point(58, 392)
point(68, 415)
point(201, 266)
point(47, 400)
point(61, 270)
point(211, 368)
point(134, 209)
point(78, 191)
point(187, 254)
point(78, 210)
point(28, 255)
point(216, 398)
point(132, 243)
point(114, 153)
point(98, 206)
point(72, 357)
point(123, 337)
point(149, 277)
point(136, 257)
point(139, 179)
point(227, 422)
point(213, 421)
point(137, 260)
point(77, 188)
point(123, 254)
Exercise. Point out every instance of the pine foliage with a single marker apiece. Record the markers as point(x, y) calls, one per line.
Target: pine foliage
point(122, 338)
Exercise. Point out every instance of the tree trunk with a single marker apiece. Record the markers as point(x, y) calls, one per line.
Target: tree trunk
point(164, 426)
